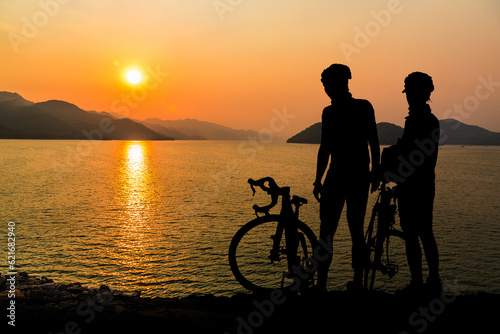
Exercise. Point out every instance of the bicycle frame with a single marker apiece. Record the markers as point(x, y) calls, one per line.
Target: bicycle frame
point(385, 211)
point(287, 223)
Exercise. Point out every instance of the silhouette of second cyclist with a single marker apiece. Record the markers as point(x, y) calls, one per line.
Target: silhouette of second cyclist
point(419, 147)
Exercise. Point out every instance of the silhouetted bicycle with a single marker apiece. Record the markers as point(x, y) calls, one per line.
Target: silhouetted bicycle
point(382, 236)
point(265, 252)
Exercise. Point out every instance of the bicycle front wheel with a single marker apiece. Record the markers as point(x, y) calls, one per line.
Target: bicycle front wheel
point(249, 254)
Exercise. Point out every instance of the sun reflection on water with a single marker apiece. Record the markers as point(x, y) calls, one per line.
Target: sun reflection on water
point(137, 196)
point(136, 180)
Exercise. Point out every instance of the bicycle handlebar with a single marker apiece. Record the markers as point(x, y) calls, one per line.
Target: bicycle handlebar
point(275, 191)
point(298, 201)
point(272, 189)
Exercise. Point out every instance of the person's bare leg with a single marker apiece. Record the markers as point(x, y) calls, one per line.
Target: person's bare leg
point(356, 209)
point(330, 210)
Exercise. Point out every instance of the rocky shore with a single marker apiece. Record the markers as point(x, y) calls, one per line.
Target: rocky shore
point(44, 306)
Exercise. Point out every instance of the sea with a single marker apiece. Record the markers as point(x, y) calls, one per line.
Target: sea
point(158, 216)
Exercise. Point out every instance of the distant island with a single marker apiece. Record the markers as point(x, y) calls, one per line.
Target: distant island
point(54, 119)
point(453, 133)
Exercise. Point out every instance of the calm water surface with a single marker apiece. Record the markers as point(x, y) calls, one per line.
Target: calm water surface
point(158, 216)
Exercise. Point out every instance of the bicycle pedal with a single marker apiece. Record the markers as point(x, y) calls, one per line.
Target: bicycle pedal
point(392, 269)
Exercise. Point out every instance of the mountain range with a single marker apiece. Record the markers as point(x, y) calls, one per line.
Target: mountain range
point(453, 132)
point(53, 119)
point(195, 129)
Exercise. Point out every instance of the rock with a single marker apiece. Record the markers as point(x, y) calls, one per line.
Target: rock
point(41, 295)
point(32, 281)
point(19, 294)
point(104, 298)
point(136, 294)
point(21, 278)
point(62, 295)
point(88, 291)
point(104, 288)
point(46, 286)
point(117, 293)
point(68, 304)
point(46, 280)
point(75, 288)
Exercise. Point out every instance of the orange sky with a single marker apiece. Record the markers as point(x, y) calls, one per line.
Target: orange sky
point(235, 64)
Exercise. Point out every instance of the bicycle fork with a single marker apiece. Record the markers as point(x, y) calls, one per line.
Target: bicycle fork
point(287, 224)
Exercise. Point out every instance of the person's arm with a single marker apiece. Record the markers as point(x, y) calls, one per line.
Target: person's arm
point(374, 149)
point(323, 157)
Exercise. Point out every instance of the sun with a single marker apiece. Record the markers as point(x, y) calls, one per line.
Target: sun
point(134, 76)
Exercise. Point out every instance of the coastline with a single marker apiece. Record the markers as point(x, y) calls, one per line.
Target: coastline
point(44, 306)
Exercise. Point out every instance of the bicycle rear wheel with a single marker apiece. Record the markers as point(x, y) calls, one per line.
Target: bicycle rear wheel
point(249, 253)
point(385, 255)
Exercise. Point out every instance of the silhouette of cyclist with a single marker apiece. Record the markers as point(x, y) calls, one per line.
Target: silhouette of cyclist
point(348, 128)
point(418, 151)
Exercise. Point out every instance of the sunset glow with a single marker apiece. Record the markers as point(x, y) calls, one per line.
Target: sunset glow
point(234, 64)
point(229, 166)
